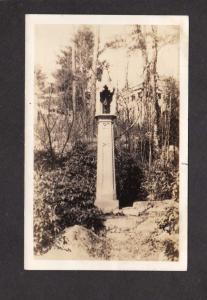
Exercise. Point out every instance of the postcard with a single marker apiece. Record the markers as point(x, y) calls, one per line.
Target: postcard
point(106, 142)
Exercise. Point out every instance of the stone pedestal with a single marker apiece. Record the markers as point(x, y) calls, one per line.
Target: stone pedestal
point(106, 198)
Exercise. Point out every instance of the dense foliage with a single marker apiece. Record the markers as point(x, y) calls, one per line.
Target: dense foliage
point(169, 222)
point(161, 182)
point(128, 178)
point(64, 195)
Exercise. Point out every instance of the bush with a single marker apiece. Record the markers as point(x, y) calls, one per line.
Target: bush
point(64, 196)
point(161, 182)
point(128, 178)
point(169, 222)
point(45, 221)
point(171, 250)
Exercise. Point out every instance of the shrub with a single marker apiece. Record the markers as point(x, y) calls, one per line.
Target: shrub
point(161, 182)
point(175, 187)
point(171, 250)
point(169, 222)
point(64, 196)
point(128, 178)
point(45, 226)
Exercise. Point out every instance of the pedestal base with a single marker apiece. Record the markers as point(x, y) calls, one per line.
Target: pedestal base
point(107, 206)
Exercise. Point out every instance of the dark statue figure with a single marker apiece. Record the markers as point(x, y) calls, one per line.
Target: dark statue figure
point(106, 98)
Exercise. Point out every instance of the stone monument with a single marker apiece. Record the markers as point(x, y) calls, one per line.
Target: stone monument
point(106, 198)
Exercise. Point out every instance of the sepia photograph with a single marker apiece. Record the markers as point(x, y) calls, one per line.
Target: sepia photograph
point(106, 142)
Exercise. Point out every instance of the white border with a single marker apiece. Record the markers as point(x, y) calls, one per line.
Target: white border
point(33, 264)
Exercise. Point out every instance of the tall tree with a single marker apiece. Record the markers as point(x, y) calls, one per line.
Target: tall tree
point(94, 77)
point(73, 77)
point(46, 117)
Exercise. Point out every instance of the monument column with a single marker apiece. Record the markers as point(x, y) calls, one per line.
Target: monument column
point(106, 198)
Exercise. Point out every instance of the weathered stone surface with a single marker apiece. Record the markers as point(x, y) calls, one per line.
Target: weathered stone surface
point(141, 204)
point(130, 211)
point(106, 198)
point(118, 212)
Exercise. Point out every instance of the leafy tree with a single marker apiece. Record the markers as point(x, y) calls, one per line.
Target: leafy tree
point(148, 40)
point(76, 78)
point(67, 110)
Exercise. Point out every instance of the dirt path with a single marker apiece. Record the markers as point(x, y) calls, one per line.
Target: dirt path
point(136, 235)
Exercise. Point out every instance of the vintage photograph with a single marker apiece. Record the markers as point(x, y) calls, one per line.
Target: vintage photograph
point(106, 107)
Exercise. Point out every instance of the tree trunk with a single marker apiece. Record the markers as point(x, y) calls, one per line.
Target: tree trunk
point(156, 109)
point(74, 87)
point(74, 82)
point(94, 79)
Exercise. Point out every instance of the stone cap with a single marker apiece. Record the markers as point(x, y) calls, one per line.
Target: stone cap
point(105, 116)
